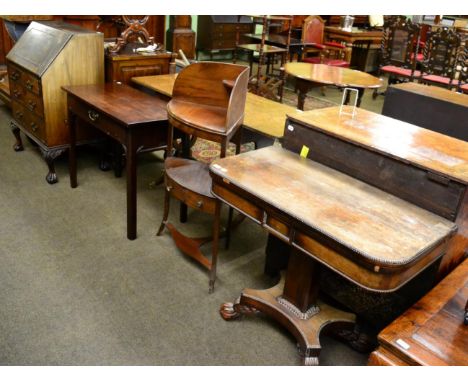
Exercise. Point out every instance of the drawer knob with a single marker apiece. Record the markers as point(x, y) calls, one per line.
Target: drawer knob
point(16, 93)
point(33, 126)
point(200, 204)
point(19, 115)
point(29, 85)
point(93, 116)
point(15, 76)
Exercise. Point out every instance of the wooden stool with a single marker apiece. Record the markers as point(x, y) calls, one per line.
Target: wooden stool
point(208, 101)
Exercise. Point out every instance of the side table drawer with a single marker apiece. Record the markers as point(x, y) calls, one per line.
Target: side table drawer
point(238, 202)
point(101, 121)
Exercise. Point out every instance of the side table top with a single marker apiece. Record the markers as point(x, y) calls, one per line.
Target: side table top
point(121, 102)
point(332, 75)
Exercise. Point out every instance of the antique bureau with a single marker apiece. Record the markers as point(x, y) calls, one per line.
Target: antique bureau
point(373, 200)
point(219, 33)
point(47, 56)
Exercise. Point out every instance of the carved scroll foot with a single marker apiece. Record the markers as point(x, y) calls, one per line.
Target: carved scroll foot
point(49, 157)
point(230, 311)
point(356, 339)
point(311, 361)
point(18, 146)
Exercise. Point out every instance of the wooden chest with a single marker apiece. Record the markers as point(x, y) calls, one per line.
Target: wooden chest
point(47, 56)
point(218, 33)
point(432, 332)
point(123, 66)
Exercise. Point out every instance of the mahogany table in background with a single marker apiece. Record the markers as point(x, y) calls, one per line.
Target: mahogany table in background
point(353, 37)
point(136, 120)
point(309, 76)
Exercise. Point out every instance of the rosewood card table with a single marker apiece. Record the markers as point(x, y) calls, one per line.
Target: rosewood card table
point(374, 200)
point(309, 76)
point(136, 120)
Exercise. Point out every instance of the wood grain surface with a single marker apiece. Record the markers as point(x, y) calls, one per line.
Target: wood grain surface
point(435, 92)
point(433, 151)
point(377, 225)
point(261, 114)
point(332, 75)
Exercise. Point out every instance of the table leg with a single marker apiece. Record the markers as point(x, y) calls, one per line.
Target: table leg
point(294, 304)
point(71, 121)
point(131, 153)
point(359, 99)
point(303, 88)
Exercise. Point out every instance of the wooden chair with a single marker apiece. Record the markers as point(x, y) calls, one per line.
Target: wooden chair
point(208, 101)
point(398, 52)
point(440, 58)
point(326, 52)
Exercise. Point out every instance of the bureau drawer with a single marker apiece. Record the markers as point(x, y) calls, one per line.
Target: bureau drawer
point(21, 77)
point(28, 120)
point(101, 121)
point(31, 101)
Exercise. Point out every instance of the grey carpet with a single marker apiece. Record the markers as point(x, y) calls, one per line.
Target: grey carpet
point(75, 291)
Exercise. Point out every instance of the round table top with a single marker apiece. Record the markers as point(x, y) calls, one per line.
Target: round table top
point(332, 75)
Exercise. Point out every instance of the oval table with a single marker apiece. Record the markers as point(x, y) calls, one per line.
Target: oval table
point(309, 76)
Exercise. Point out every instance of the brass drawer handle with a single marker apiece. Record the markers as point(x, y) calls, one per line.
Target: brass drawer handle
point(93, 116)
point(15, 76)
point(31, 105)
point(33, 126)
point(29, 85)
point(19, 115)
point(200, 204)
point(16, 93)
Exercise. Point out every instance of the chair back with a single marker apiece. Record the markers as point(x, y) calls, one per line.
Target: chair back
point(440, 52)
point(313, 29)
point(399, 42)
point(214, 84)
point(462, 65)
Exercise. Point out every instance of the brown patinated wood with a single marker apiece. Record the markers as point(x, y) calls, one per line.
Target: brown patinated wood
point(136, 120)
point(261, 115)
point(383, 240)
point(421, 166)
point(309, 76)
point(431, 332)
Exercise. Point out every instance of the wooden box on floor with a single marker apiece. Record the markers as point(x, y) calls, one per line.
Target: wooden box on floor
point(46, 57)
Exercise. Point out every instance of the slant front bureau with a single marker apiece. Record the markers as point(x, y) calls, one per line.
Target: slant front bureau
point(342, 209)
point(47, 56)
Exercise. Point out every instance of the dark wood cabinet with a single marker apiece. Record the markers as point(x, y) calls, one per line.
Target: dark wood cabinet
point(123, 66)
point(218, 33)
point(181, 36)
